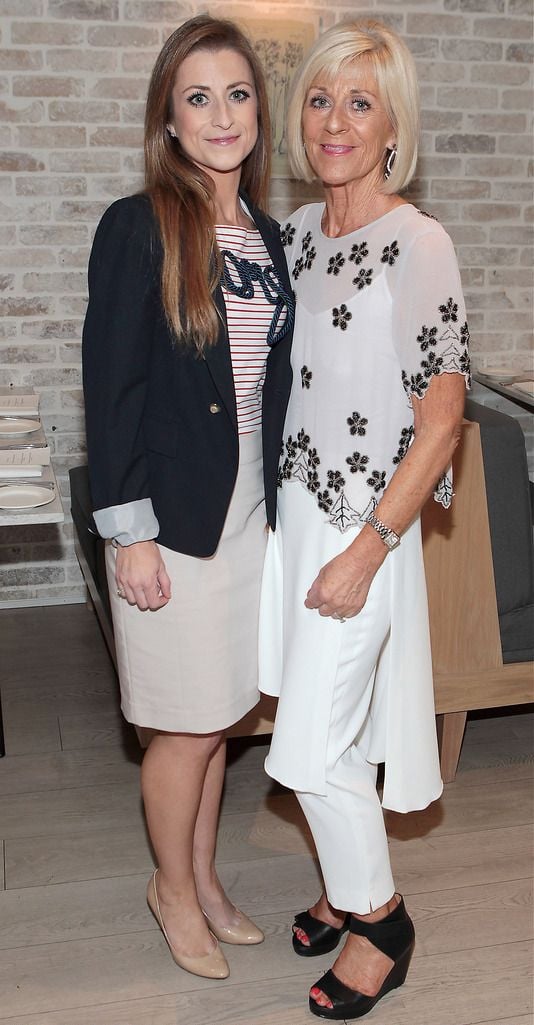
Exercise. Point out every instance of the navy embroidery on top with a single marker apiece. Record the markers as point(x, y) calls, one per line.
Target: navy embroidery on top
point(249, 272)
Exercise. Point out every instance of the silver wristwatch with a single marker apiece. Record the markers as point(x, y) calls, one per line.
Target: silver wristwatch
point(388, 536)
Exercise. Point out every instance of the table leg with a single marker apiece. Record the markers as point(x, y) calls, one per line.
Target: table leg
point(2, 740)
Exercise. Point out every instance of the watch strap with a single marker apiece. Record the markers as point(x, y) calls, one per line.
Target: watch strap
point(390, 538)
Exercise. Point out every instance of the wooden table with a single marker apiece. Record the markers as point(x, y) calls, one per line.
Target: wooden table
point(510, 391)
point(50, 513)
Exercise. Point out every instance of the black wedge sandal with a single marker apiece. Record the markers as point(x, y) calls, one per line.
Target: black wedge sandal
point(395, 937)
point(323, 938)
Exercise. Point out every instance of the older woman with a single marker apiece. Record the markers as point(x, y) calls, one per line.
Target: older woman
point(379, 360)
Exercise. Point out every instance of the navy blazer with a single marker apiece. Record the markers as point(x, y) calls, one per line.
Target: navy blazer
point(161, 421)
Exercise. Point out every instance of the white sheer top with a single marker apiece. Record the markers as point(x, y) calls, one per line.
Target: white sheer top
point(379, 312)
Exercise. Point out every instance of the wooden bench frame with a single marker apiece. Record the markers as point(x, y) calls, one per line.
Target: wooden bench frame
point(469, 672)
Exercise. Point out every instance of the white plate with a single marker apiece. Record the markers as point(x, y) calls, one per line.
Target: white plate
point(25, 496)
point(16, 425)
point(499, 376)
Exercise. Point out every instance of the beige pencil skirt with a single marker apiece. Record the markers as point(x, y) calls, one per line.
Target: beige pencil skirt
point(192, 666)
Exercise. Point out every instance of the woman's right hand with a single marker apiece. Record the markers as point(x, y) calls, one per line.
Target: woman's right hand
point(141, 575)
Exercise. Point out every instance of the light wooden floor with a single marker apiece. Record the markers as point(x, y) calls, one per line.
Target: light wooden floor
point(78, 945)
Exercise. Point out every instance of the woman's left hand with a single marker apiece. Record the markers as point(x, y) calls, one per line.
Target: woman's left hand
point(340, 589)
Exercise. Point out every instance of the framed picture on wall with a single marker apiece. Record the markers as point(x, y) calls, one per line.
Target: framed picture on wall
point(280, 45)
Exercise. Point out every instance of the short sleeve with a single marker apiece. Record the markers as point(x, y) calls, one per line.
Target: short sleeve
point(430, 324)
point(430, 329)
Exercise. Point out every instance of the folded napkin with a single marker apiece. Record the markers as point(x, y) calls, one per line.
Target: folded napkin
point(20, 471)
point(13, 404)
point(23, 459)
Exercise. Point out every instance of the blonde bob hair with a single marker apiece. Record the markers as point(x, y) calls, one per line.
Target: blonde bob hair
point(398, 91)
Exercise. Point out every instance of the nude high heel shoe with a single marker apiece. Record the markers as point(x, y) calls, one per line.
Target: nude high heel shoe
point(245, 932)
point(209, 966)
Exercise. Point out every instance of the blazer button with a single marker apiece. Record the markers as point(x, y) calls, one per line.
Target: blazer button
point(215, 408)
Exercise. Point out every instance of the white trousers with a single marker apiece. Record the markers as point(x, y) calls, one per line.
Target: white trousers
point(347, 822)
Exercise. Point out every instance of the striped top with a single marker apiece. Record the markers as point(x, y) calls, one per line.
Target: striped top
point(254, 312)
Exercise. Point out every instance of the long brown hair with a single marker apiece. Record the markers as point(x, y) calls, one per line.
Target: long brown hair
point(182, 194)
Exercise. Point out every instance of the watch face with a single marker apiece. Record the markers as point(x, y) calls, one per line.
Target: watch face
point(392, 539)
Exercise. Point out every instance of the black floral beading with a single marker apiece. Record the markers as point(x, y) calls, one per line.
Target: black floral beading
point(414, 384)
point(313, 482)
point(335, 264)
point(359, 252)
point(428, 336)
point(305, 376)
point(377, 480)
point(364, 277)
point(310, 257)
point(335, 479)
point(449, 311)
point(432, 364)
point(357, 462)
point(357, 424)
point(306, 258)
point(324, 501)
point(404, 444)
point(390, 253)
point(287, 234)
point(341, 316)
point(298, 268)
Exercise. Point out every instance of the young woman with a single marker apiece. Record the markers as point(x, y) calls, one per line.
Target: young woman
point(186, 377)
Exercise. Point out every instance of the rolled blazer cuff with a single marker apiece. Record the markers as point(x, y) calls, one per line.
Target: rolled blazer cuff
point(128, 523)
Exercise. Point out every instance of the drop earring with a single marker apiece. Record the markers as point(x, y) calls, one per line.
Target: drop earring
point(390, 162)
point(172, 133)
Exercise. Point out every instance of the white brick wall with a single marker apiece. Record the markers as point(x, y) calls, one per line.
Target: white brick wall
point(73, 76)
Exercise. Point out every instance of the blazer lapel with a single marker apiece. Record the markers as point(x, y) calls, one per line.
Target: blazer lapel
point(270, 234)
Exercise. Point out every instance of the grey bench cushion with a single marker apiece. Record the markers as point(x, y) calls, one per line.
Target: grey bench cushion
point(510, 521)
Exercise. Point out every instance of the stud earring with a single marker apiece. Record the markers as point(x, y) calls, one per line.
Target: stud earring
point(390, 162)
point(172, 133)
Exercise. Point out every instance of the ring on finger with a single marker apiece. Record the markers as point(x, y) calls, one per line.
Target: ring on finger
point(120, 593)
